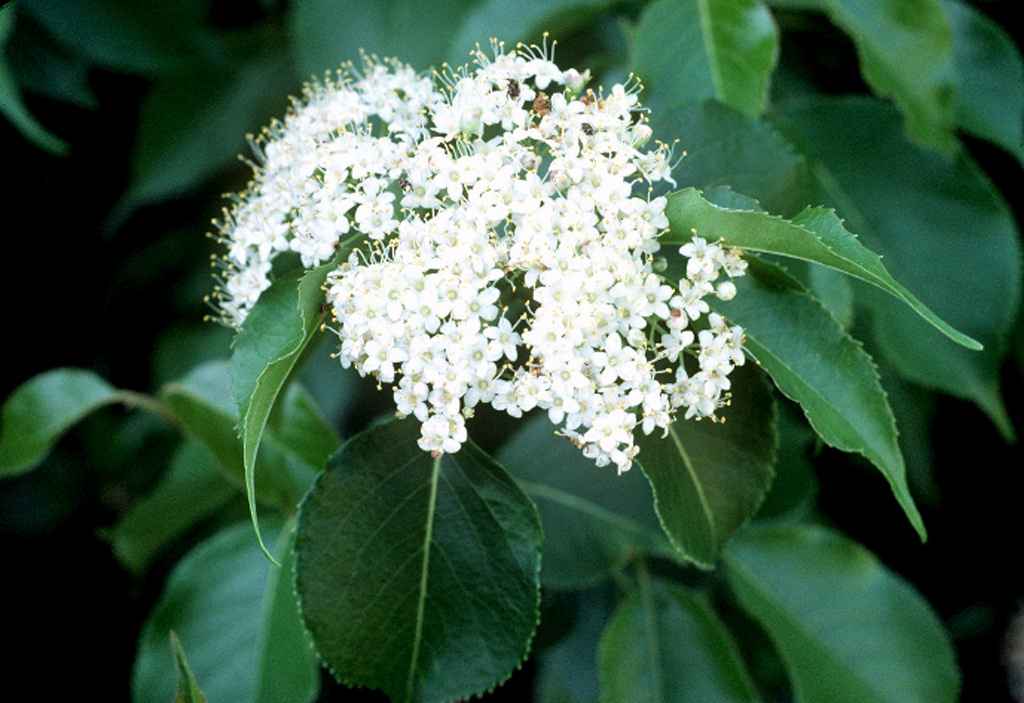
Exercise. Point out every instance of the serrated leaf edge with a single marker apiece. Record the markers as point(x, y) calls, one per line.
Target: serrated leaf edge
point(351, 683)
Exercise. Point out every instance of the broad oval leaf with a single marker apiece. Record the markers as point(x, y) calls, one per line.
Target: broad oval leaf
point(594, 520)
point(989, 78)
point(790, 335)
point(665, 644)
point(42, 409)
point(692, 50)
point(236, 616)
point(192, 490)
point(816, 235)
point(266, 351)
point(848, 629)
point(416, 575)
point(710, 478)
point(906, 53)
point(943, 229)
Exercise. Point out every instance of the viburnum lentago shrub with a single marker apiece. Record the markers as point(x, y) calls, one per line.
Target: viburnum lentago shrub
point(511, 248)
point(612, 397)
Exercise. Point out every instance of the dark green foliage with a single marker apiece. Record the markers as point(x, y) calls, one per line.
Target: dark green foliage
point(704, 574)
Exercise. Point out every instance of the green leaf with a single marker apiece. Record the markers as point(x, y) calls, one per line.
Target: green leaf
point(188, 688)
point(327, 32)
point(287, 666)
point(834, 291)
point(989, 78)
point(6, 23)
point(567, 670)
point(943, 229)
point(276, 332)
point(796, 484)
point(45, 67)
point(236, 616)
point(726, 148)
point(11, 104)
point(710, 478)
point(848, 629)
point(193, 125)
point(594, 520)
point(524, 20)
point(14, 109)
point(42, 409)
point(665, 644)
point(185, 344)
point(914, 408)
point(906, 53)
point(192, 490)
point(725, 196)
point(130, 36)
point(816, 235)
point(797, 4)
point(418, 576)
point(298, 424)
point(297, 444)
point(336, 394)
point(814, 362)
point(202, 402)
point(699, 49)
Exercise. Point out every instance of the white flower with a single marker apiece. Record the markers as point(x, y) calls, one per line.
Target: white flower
point(375, 216)
point(610, 430)
point(674, 343)
point(504, 339)
point(616, 361)
point(381, 358)
point(726, 290)
point(500, 190)
point(443, 434)
point(655, 294)
point(480, 304)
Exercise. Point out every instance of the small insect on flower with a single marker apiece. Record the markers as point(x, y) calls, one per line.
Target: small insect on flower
point(478, 197)
point(541, 104)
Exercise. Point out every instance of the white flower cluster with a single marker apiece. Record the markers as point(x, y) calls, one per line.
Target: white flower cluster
point(509, 260)
point(321, 173)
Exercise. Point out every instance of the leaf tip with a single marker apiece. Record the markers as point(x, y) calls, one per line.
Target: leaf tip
point(259, 535)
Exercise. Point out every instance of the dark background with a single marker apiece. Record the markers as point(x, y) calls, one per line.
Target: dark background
point(78, 292)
